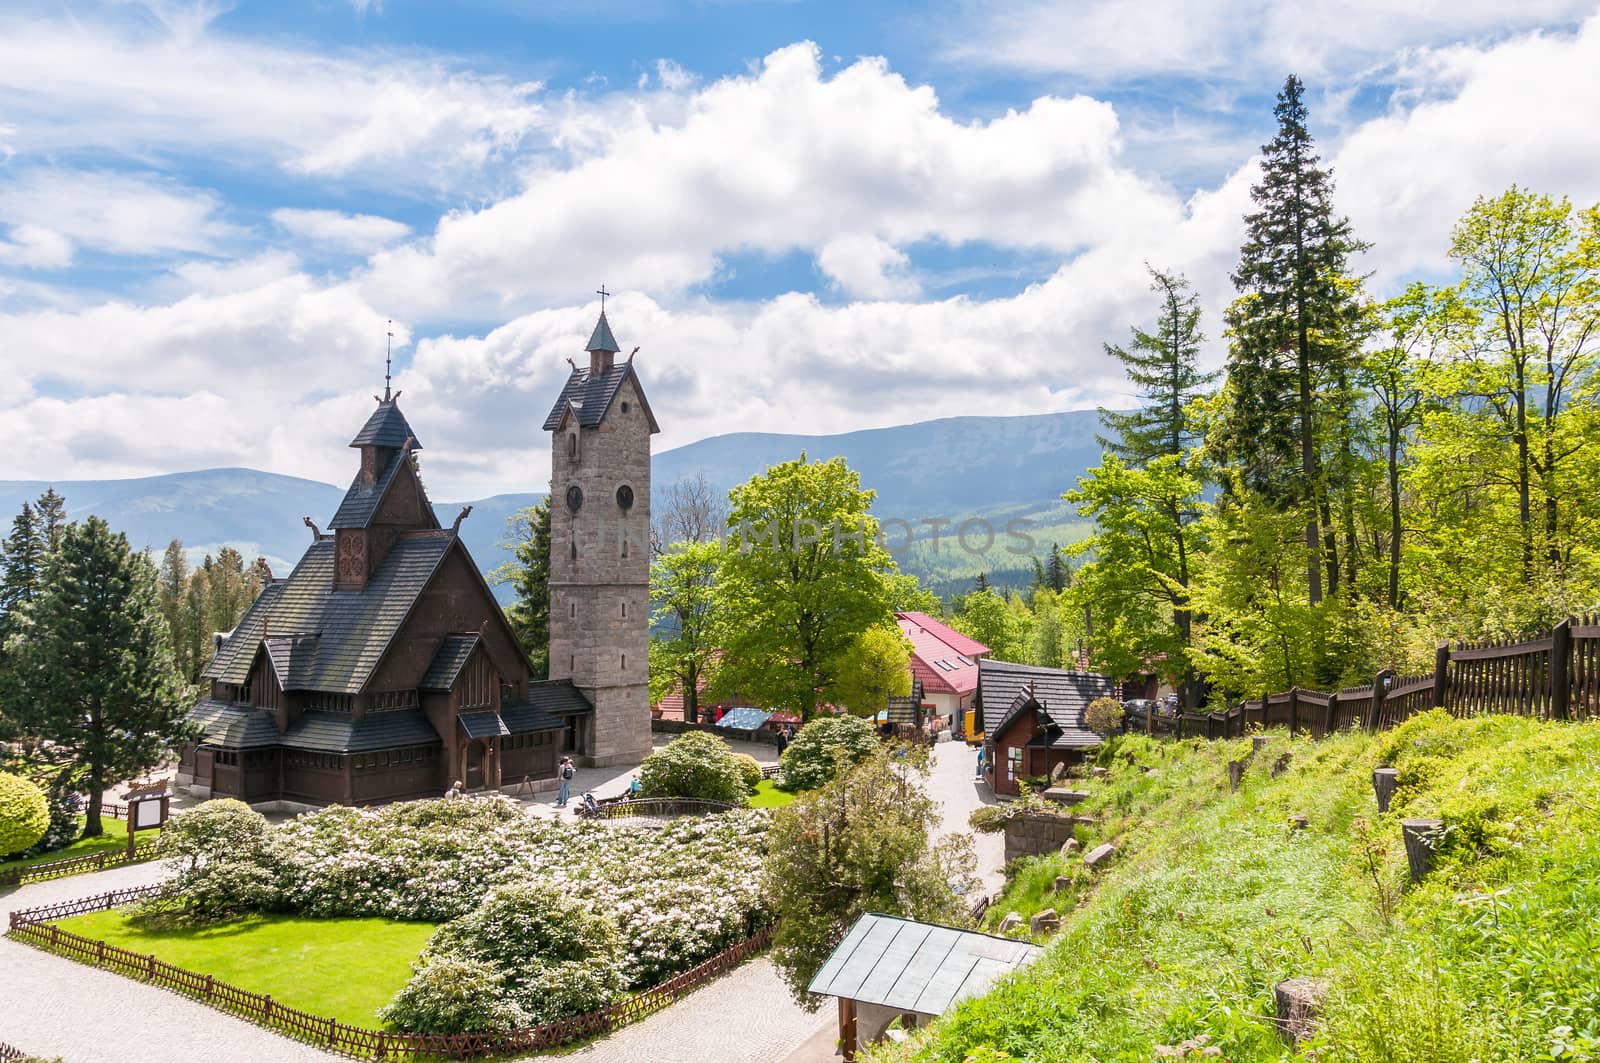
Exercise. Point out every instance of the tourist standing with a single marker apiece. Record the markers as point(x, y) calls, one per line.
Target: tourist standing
point(568, 772)
point(782, 741)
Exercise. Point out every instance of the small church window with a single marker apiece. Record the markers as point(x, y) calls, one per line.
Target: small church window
point(624, 610)
point(572, 447)
point(574, 498)
point(624, 661)
point(625, 496)
point(624, 548)
point(624, 406)
point(574, 549)
point(573, 607)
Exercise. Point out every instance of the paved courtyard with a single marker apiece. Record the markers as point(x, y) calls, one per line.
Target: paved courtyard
point(54, 1007)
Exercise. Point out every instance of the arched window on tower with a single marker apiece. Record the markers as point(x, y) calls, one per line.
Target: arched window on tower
point(572, 447)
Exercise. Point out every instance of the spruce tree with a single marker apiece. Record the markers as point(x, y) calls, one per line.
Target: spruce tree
point(52, 517)
point(1163, 363)
point(529, 576)
point(173, 584)
point(981, 584)
point(1291, 331)
point(25, 551)
point(1056, 571)
point(95, 665)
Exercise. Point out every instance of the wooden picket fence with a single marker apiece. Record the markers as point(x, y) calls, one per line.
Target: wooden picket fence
point(1556, 677)
point(76, 865)
point(37, 926)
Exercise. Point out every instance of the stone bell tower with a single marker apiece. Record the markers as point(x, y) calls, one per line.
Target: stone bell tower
point(600, 548)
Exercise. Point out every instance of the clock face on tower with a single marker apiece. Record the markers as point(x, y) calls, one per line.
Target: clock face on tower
point(574, 498)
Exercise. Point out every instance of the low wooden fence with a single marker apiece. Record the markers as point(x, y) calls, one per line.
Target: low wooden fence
point(625, 807)
point(8, 1054)
point(37, 926)
point(76, 865)
point(1552, 678)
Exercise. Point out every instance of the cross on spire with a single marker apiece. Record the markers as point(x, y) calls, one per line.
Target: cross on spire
point(388, 357)
point(602, 293)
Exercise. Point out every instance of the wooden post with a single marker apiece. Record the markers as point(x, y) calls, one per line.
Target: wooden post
point(847, 1029)
point(1294, 709)
point(1332, 718)
point(1384, 781)
point(1441, 675)
point(1380, 693)
point(1421, 837)
point(1235, 775)
point(1561, 671)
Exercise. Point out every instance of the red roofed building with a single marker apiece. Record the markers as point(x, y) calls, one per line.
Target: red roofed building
point(946, 661)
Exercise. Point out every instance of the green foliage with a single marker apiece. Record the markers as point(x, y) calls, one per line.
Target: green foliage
point(528, 538)
point(447, 994)
point(1212, 902)
point(228, 869)
point(24, 814)
point(749, 771)
point(554, 958)
point(683, 581)
point(876, 667)
point(802, 576)
point(694, 764)
point(824, 747)
point(94, 668)
point(1103, 715)
point(863, 843)
point(1163, 363)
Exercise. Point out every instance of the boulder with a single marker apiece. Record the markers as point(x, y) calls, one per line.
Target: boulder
point(1063, 796)
point(1235, 774)
point(1070, 846)
point(1299, 1002)
point(1044, 922)
point(1099, 854)
point(1102, 773)
point(1063, 883)
point(1012, 921)
point(1281, 765)
point(1299, 822)
point(1422, 837)
point(1384, 783)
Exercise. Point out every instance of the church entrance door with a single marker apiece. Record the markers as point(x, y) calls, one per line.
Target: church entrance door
point(474, 779)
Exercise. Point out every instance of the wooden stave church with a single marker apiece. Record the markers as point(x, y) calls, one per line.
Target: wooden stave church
point(382, 668)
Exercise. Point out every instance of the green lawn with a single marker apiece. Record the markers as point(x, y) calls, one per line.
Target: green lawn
point(768, 795)
point(115, 840)
point(344, 968)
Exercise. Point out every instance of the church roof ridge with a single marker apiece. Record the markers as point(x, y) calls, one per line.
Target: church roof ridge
point(386, 427)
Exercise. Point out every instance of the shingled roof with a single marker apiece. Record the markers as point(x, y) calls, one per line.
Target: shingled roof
point(353, 627)
point(590, 396)
point(360, 502)
point(601, 338)
point(447, 662)
point(386, 427)
point(547, 702)
point(319, 731)
point(234, 726)
point(1005, 690)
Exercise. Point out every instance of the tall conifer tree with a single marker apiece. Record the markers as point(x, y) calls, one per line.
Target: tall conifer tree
point(1163, 363)
point(1291, 332)
point(94, 663)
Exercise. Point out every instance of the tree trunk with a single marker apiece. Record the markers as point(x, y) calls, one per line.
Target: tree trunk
point(92, 827)
point(1308, 469)
point(1394, 513)
point(691, 695)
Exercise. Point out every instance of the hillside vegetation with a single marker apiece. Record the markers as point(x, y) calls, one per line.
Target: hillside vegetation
point(1213, 899)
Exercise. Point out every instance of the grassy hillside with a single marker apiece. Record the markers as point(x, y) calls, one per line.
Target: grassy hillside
point(1213, 900)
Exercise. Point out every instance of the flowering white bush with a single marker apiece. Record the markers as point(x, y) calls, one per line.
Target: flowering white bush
point(678, 893)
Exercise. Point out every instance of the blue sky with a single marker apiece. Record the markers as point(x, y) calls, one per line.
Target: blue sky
point(209, 212)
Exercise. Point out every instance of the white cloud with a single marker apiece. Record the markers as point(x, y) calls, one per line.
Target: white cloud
point(866, 267)
point(782, 159)
point(122, 85)
point(1477, 120)
point(1233, 40)
point(358, 233)
point(120, 213)
point(35, 247)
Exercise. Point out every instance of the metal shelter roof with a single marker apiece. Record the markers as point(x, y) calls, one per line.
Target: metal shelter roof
point(920, 967)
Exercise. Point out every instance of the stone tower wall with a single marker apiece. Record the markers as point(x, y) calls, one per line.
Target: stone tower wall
point(600, 575)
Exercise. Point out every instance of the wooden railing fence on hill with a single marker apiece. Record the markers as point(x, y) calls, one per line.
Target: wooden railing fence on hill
point(75, 865)
point(1552, 678)
point(37, 926)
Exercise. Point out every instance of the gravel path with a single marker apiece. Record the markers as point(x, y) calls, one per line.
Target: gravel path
point(51, 1006)
point(954, 784)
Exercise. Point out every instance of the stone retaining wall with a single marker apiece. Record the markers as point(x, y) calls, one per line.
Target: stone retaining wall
point(1032, 834)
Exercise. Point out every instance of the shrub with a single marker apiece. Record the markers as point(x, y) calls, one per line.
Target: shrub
point(695, 764)
point(988, 819)
point(553, 957)
point(749, 770)
point(822, 748)
point(221, 829)
point(448, 994)
point(24, 814)
point(1103, 715)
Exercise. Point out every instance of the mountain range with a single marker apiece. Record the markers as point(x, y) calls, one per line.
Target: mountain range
point(957, 470)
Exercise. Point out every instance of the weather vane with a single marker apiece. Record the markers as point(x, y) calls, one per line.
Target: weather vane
point(388, 357)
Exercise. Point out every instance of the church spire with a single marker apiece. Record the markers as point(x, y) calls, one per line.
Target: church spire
point(602, 346)
point(388, 358)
